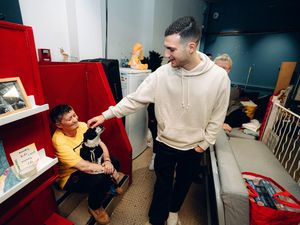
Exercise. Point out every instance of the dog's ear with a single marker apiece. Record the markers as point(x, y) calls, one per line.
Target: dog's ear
point(87, 135)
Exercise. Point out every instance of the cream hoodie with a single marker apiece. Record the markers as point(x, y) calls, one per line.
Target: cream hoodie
point(190, 106)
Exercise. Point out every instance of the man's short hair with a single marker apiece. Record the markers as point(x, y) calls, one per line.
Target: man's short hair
point(224, 57)
point(58, 112)
point(186, 27)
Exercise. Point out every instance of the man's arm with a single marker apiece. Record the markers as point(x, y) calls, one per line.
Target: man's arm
point(130, 103)
point(108, 166)
point(227, 127)
point(199, 149)
point(67, 156)
point(88, 167)
point(95, 121)
point(217, 116)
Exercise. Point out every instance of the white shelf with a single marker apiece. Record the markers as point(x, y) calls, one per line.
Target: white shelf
point(44, 164)
point(22, 114)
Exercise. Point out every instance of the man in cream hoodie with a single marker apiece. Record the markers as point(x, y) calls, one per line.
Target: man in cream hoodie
point(191, 97)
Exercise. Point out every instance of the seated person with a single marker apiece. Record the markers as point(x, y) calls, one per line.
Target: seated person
point(210, 56)
point(76, 174)
point(235, 116)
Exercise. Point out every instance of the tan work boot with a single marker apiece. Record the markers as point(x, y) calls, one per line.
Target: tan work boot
point(118, 176)
point(119, 190)
point(100, 215)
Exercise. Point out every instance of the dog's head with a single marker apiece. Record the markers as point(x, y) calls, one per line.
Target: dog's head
point(92, 136)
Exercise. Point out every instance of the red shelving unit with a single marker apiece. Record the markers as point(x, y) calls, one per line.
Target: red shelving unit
point(25, 204)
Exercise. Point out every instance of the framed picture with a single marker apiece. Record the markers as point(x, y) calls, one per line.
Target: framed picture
point(13, 97)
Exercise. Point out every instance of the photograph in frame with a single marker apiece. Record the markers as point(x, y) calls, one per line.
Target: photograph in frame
point(13, 97)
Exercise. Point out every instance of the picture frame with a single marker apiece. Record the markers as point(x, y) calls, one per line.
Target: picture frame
point(13, 97)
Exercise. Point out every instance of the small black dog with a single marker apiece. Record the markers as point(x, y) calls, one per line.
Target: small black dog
point(92, 151)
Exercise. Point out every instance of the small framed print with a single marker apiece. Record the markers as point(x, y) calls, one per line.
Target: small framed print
point(13, 97)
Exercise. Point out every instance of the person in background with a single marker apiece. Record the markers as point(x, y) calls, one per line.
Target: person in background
point(190, 96)
point(235, 116)
point(76, 174)
point(209, 55)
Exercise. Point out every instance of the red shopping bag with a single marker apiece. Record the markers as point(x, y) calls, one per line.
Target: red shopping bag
point(281, 208)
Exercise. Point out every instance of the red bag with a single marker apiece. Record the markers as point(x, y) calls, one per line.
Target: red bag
point(287, 207)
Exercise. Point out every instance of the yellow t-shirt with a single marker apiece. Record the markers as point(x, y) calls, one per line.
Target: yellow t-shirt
point(67, 150)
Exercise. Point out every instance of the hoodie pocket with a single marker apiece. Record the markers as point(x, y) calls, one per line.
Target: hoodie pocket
point(185, 135)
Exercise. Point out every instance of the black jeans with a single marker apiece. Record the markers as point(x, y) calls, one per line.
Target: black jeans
point(96, 185)
point(168, 195)
point(152, 123)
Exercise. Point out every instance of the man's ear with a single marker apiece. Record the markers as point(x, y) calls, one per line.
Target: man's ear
point(58, 124)
point(192, 46)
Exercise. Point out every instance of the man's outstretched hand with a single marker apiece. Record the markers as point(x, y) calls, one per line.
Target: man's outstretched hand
point(95, 121)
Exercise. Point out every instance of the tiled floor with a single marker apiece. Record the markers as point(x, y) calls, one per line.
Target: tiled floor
point(134, 205)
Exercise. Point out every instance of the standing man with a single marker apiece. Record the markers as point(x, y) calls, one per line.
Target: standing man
point(191, 97)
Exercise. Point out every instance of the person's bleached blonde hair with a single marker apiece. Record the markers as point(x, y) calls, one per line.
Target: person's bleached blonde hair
point(224, 57)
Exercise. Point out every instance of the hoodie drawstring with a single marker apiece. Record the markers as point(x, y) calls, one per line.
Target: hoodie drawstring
point(187, 106)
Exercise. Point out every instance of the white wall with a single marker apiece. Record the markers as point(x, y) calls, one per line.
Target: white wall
point(48, 20)
point(129, 21)
point(74, 25)
point(162, 19)
point(168, 11)
point(89, 25)
point(72, 35)
point(78, 26)
point(145, 21)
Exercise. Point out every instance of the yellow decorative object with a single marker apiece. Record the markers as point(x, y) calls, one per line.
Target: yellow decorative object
point(249, 107)
point(136, 57)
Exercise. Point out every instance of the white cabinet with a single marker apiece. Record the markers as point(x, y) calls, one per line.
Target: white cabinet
point(136, 124)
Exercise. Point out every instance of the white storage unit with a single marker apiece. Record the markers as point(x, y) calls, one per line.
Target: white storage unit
point(136, 124)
